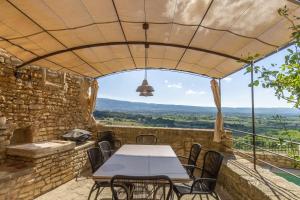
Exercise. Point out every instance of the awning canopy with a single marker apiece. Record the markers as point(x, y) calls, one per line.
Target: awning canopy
point(99, 37)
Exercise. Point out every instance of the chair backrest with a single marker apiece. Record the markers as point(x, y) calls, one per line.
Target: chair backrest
point(211, 166)
point(106, 136)
point(141, 187)
point(95, 158)
point(146, 139)
point(193, 157)
point(105, 149)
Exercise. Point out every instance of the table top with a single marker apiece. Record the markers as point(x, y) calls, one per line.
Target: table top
point(143, 160)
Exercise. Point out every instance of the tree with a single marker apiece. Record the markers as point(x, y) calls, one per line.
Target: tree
point(285, 79)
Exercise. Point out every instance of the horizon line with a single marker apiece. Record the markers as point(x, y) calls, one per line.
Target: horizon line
point(130, 101)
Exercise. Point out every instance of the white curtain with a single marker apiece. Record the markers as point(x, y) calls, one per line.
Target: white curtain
point(93, 99)
point(219, 126)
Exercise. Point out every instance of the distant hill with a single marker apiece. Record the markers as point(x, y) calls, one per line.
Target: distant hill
point(104, 104)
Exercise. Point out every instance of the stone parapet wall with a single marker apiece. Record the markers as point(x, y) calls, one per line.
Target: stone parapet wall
point(46, 173)
point(44, 102)
point(181, 139)
point(274, 159)
point(80, 160)
point(278, 161)
point(239, 180)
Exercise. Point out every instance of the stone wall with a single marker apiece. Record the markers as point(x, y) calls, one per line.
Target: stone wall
point(44, 103)
point(181, 139)
point(279, 161)
point(43, 174)
point(239, 180)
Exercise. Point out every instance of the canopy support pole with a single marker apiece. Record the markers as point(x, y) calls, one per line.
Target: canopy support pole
point(220, 89)
point(253, 117)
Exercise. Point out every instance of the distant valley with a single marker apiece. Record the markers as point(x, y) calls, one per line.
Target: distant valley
point(111, 105)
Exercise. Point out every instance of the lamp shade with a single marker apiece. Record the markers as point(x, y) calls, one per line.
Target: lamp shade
point(145, 87)
point(146, 94)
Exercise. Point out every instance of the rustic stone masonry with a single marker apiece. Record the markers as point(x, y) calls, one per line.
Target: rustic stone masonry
point(39, 104)
point(238, 179)
point(42, 174)
point(273, 159)
point(181, 139)
point(278, 161)
point(80, 160)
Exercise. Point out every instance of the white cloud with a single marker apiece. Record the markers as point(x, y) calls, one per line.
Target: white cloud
point(227, 79)
point(166, 81)
point(175, 85)
point(193, 92)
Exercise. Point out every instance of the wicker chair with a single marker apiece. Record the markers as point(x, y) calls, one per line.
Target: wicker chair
point(141, 187)
point(146, 139)
point(207, 182)
point(192, 159)
point(105, 149)
point(96, 160)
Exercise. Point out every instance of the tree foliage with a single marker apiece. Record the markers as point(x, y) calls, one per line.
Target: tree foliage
point(284, 79)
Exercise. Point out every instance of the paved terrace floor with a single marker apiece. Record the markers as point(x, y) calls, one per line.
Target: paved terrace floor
point(80, 189)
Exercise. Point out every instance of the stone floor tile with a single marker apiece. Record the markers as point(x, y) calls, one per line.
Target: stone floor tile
point(79, 190)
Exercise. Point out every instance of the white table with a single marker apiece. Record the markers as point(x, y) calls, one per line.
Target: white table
point(143, 160)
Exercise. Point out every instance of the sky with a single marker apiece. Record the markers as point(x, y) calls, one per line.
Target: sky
point(186, 89)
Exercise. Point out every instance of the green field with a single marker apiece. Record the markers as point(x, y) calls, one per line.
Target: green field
point(285, 127)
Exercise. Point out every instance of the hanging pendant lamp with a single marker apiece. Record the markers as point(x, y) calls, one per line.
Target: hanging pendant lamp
point(145, 89)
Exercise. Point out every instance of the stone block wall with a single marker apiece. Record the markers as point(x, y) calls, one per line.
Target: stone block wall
point(42, 102)
point(276, 160)
point(239, 180)
point(80, 160)
point(46, 173)
point(17, 188)
point(181, 139)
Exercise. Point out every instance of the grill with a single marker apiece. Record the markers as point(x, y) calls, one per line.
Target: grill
point(77, 135)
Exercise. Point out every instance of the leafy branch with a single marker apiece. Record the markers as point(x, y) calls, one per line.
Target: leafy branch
point(284, 79)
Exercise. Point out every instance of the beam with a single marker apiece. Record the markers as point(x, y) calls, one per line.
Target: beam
point(193, 36)
point(132, 43)
point(156, 68)
point(123, 32)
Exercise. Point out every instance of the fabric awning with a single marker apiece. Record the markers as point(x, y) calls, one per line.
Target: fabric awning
point(99, 37)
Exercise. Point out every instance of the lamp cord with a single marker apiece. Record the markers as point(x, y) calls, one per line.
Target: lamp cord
point(146, 40)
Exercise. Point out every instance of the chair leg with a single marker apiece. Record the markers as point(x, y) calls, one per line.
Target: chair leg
point(92, 190)
point(178, 197)
point(215, 195)
point(97, 193)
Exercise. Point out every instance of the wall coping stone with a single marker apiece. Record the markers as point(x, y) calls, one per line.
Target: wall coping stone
point(86, 144)
point(40, 149)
